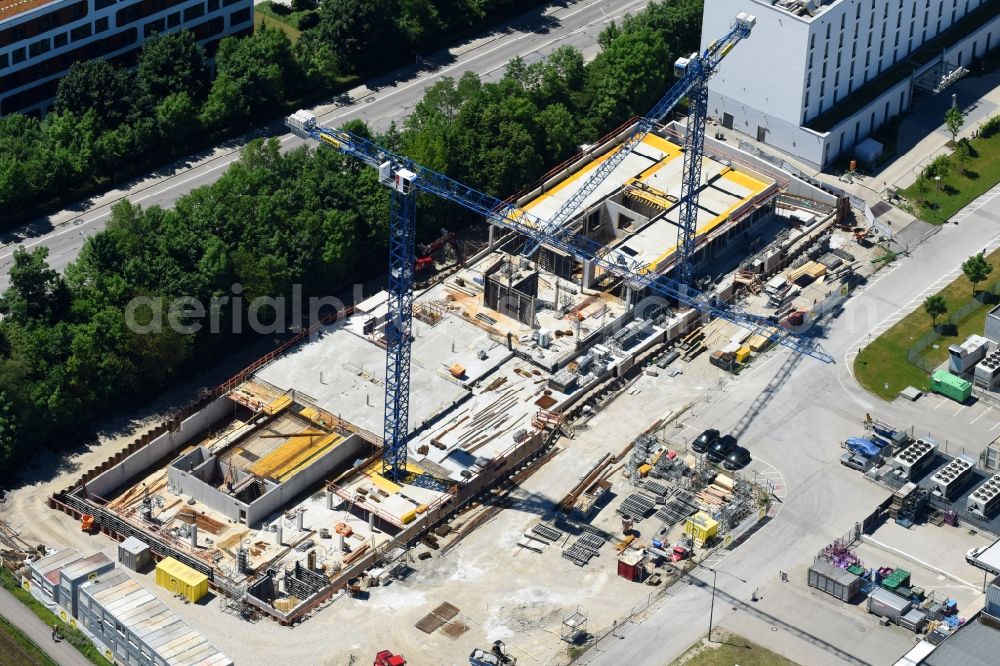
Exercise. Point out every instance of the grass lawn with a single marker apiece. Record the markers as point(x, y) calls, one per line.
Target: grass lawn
point(884, 360)
point(957, 189)
point(267, 18)
point(16, 649)
point(74, 636)
point(730, 650)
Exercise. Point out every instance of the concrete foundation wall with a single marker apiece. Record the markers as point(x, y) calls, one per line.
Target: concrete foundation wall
point(119, 475)
point(273, 499)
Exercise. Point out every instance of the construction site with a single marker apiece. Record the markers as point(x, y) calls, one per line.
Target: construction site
point(501, 441)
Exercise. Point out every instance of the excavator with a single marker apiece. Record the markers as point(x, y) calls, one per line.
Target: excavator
point(425, 253)
point(387, 658)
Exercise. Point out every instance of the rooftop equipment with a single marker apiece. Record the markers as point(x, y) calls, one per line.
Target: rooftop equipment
point(951, 386)
point(912, 460)
point(987, 374)
point(984, 500)
point(962, 357)
point(950, 479)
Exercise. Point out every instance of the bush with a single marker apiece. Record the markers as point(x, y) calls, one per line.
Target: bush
point(990, 127)
point(939, 167)
point(303, 5)
point(279, 8)
point(308, 20)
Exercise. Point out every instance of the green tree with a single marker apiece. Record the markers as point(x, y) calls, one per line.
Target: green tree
point(560, 130)
point(172, 63)
point(253, 73)
point(36, 293)
point(362, 33)
point(8, 431)
point(627, 78)
point(99, 86)
point(976, 269)
point(963, 153)
point(177, 117)
point(953, 120)
point(940, 166)
point(935, 306)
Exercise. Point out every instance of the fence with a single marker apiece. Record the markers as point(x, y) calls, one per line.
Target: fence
point(914, 355)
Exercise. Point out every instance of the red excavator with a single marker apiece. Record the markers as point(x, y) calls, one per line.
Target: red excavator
point(387, 658)
point(425, 253)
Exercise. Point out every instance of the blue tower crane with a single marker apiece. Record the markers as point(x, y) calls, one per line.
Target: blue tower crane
point(693, 74)
point(405, 178)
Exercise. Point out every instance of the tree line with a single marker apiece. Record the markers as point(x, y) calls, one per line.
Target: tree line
point(173, 102)
point(273, 220)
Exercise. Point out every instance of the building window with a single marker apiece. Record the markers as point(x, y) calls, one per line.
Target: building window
point(153, 27)
point(852, 70)
point(911, 31)
point(824, 71)
point(38, 48)
point(828, 31)
point(843, 17)
point(101, 4)
point(82, 32)
point(838, 59)
point(174, 20)
point(868, 60)
point(836, 80)
point(239, 17)
point(18, 55)
point(212, 5)
point(806, 102)
point(101, 24)
point(854, 49)
point(840, 41)
point(810, 61)
point(822, 91)
point(869, 40)
point(881, 49)
point(812, 40)
point(883, 31)
point(4, 60)
point(192, 13)
point(60, 40)
point(896, 41)
point(826, 50)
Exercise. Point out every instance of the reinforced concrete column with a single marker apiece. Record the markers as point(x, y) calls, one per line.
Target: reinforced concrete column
point(588, 275)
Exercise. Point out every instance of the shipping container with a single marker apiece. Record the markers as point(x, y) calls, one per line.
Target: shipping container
point(888, 605)
point(181, 579)
point(134, 554)
point(833, 580)
point(915, 620)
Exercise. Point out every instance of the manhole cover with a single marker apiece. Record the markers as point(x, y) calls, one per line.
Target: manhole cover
point(369, 99)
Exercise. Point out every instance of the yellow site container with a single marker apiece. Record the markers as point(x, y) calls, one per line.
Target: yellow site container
point(701, 527)
point(181, 579)
point(742, 353)
point(644, 469)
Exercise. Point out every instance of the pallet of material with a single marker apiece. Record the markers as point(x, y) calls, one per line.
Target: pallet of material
point(546, 533)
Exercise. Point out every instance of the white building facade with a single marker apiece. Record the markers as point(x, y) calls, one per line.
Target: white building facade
point(815, 80)
point(40, 39)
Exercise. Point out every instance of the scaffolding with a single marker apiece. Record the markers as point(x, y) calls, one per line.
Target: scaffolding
point(574, 627)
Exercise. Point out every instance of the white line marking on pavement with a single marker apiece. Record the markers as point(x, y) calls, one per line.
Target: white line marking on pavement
point(985, 412)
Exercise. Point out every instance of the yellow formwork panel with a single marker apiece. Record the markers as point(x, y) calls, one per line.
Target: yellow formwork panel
point(278, 405)
point(299, 450)
point(384, 483)
point(743, 179)
point(181, 579)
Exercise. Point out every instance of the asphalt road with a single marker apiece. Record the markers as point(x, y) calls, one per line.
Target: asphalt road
point(796, 430)
point(379, 102)
point(18, 615)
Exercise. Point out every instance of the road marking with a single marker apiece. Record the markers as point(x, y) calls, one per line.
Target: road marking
point(995, 426)
point(985, 412)
point(959, 410)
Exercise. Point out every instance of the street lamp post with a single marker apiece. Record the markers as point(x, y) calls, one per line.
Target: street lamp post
point(711, 608)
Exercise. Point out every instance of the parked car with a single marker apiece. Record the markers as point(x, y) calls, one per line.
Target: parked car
point(704, 440)
point(856, 461)
point(679, 553)
point(721, 448)
point(738, 458)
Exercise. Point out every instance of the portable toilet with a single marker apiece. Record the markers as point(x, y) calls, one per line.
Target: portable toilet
point(951, 386)
point(701, 527)
point(181, 579)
